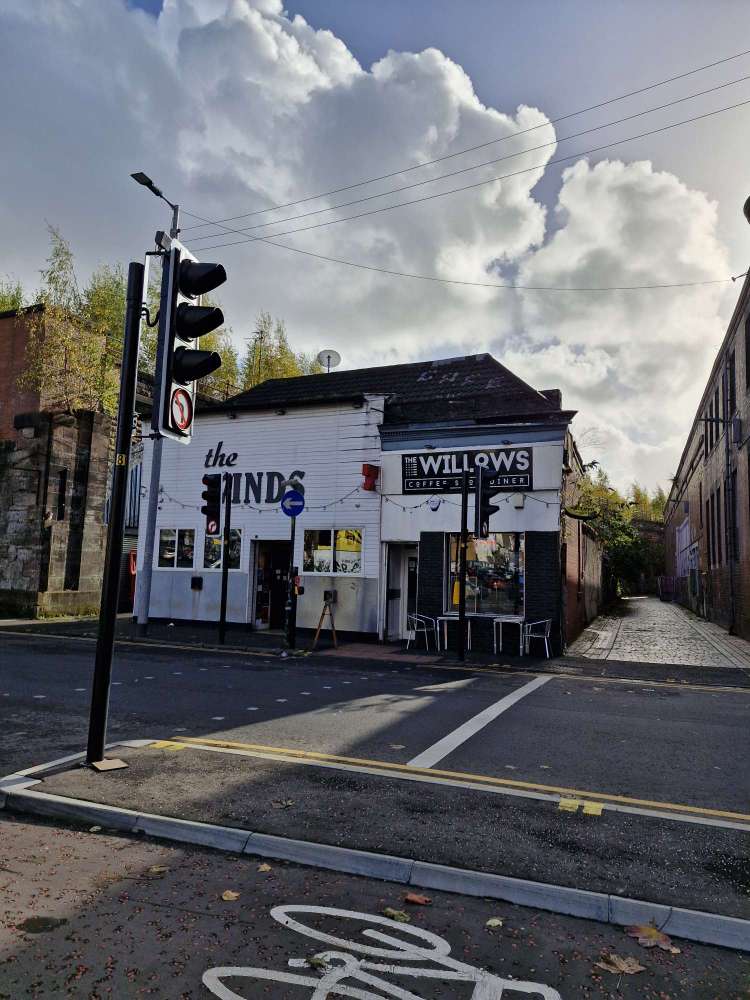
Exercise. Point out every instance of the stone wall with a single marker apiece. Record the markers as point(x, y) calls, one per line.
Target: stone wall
point(53, 477)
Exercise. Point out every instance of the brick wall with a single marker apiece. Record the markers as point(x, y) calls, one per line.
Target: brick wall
point(582, 556)
point(702, 470)
point(14, 334)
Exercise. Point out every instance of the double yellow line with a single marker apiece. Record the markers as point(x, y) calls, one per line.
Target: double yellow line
point(458, 776)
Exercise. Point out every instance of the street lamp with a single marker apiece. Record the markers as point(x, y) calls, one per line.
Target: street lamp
point(140, 178)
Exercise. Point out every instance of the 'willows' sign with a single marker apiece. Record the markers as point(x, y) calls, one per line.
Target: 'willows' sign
point(510, 469)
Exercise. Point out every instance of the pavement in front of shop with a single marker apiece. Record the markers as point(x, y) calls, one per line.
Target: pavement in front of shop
point(647, 630)
point(96, 914)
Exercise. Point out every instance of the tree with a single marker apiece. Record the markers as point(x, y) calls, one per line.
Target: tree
point(69, 355)
point(270, 356)
point(11, 295)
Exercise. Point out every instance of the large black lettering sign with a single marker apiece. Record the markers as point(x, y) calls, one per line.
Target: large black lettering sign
point(510, 469)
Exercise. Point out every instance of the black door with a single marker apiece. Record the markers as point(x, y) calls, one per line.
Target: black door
point(273, 574)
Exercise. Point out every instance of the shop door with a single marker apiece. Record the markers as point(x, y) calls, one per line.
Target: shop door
point(272, 575)
point(402, 588)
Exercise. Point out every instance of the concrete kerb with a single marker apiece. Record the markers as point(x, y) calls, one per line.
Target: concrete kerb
point(692, 925)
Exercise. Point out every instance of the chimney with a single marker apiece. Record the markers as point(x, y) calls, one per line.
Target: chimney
point(554, 396)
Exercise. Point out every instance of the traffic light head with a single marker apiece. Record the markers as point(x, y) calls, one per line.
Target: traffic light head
point(484, 507)
point(182, 321)
point(211, 508)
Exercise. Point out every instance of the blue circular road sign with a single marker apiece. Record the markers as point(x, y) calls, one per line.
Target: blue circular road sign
point(292, 503)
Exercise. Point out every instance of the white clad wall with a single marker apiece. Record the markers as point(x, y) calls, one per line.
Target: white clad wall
point(324, 446)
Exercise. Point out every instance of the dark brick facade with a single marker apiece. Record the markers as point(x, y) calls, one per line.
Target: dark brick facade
point(708, 560)
point(542, 581)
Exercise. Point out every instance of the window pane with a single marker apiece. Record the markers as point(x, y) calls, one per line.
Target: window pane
point(348, 550)
point(185, 548)
point(212, 553)
point(167, 542)
point(317, 557)
point(494, 574)
point(235, 547)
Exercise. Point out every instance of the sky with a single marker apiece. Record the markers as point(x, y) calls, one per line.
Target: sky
point(237, 106)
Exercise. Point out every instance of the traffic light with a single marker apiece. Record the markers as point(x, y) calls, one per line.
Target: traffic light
point(484, 507)
point(212, 503)
point(182, 322)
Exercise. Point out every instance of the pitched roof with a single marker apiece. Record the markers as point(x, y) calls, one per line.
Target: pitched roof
point(422, 391)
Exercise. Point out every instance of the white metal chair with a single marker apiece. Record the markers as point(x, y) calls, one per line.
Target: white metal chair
point(537, 630)
point(421, 623)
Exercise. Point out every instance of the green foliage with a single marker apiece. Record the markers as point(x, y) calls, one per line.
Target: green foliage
point(270, 356)
point(631, 554)
point(11, 295)
point(75, 344)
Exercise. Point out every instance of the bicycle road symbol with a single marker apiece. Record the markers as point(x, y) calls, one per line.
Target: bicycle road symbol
point(421, 955)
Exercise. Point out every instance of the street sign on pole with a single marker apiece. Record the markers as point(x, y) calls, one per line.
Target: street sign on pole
point(292, 503)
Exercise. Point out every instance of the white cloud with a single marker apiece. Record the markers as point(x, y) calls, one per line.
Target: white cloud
point(233, 107)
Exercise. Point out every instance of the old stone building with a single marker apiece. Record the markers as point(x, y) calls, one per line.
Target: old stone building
point(53, 484)
point(707, 531)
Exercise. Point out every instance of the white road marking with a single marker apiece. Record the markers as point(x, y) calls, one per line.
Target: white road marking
point(203, 669)
point(40, 695)
point(445, 746)
point(217, 718)
point(305, 692)
point(281, 699)
point(116, 683)
point(177, 673)
point(80, 689)
point(252, 708)
point(326, 687)
point(412, 951)
point(148, 677)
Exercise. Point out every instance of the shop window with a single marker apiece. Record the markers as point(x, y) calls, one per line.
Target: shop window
point(333, 551)
point(176, 548)
point(347, 550)
point(494, 574)
point(212, 550)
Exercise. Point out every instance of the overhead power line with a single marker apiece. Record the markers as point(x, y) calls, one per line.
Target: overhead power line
point(476, 166)
point(470, 149)
point(494, 284)
point(475, 184)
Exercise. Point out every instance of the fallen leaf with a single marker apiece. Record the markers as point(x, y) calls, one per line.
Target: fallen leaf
point(157, 869)
point(264, 867)
point(416, 899)
point(619, 965)
point(228, 896)
point(316, 963)
point(37, 925)
point(94, 829)
point(494, 922)
point(649, 936)
point(282, 803)
point(397, 915)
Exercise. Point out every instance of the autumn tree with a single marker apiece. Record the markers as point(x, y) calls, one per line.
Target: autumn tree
point(270, 356)
point(12, 295)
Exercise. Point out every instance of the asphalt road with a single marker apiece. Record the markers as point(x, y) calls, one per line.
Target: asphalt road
point(663, 742)
point(628, 745)
point(95, 915)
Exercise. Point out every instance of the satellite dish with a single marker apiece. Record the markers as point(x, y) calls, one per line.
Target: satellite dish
point(329, 358)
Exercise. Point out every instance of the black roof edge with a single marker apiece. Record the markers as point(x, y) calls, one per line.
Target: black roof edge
point(228, 406)
point(37, 307)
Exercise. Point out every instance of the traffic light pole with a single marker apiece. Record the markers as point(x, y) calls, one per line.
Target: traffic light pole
point(111, 582)
point(462, 546)
point(225, 557)
point(143, 580)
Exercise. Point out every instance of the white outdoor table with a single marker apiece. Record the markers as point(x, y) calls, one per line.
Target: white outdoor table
point(451, 618)
point(497, 624)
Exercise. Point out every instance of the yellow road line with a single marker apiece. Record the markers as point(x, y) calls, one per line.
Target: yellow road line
point(431, 772)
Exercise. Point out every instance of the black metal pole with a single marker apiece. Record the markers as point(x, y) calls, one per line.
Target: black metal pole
point(225, 557)
point(111, 581)
point(291, 595)
point(462, 546)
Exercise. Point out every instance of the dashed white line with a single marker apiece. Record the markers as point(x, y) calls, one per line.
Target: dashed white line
point(305, 692)
point(80, 689)
point(252, 708)
point(177, 673)
point(40, 695)
point(281, 699)
point(217, 718)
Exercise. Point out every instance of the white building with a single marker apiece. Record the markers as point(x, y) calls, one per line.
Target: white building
point(380, 454)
